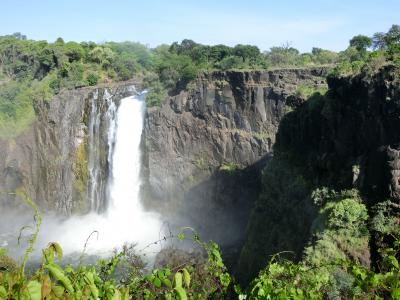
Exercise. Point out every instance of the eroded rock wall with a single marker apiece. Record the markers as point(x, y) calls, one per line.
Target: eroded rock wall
point(206, 146)
point(346, 139)
point(49, 159)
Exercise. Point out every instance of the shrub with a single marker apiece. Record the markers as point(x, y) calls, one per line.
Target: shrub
point(92, 78)
point(229, 167)
point(16, 109)
point(156, 94)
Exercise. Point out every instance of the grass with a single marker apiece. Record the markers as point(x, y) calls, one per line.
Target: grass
point(201, 164)
point(304, 91)
point(229, 167)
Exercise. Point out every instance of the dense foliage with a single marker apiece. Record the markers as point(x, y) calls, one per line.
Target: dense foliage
point(32, 71)
point(334, 265)
point(122, 276)
point(357, 58)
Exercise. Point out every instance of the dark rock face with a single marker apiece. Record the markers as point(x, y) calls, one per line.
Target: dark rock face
point(206, 146)
point(347, 139)
point(43, 159)
point(350, 138)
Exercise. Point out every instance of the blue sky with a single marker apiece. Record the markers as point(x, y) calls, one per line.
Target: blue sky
point(304, 23)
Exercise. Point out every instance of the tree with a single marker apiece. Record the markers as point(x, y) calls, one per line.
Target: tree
point(73, 51)
point(102, 55)
point(392, 37)
point(378, 40)
point(247, 52)
point(384, 41)
point(19, 36)
point(59, 41)
point(218, 52)
point(185, 48)
point(361, 42)
point(322, 56)
point(282, 56)
point(231, 62)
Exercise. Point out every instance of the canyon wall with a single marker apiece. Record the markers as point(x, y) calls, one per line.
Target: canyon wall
point(49, 160)
point(206, 146)
point(347, 139)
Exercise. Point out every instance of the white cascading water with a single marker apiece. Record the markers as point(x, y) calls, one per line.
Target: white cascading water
point(125, 220)
point(126, 160)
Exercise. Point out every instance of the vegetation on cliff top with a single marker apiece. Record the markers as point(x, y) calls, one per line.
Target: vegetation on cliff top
point(32, 71)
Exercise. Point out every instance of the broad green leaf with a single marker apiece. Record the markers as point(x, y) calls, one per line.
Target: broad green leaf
point(178, 279)
point(117, 295)
point(167, 272)
point(89, 279)
point(79, 295)
point(34, 290)
point(58, 273)
point(3, 292)
point(168, 297)
point(186, 277)
point(166, 282)
point(124, 293)
point(393, 261)
point(58, 291)
point(68, 269)
point(157, 282)
point(181, 293)
point(395, 293)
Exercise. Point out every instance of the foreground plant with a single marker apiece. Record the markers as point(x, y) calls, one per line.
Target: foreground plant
point(201, 279)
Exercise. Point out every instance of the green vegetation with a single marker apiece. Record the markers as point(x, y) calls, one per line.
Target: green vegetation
point(16, 111)
point(335, 265)
point(81, 175)
point(332, 262)
point(332, 267)
point(203, 279)
point(32, 71)
point(229, 168)
point(283, 208)
point(357, 58)
point(201, 164)
point(304, 91)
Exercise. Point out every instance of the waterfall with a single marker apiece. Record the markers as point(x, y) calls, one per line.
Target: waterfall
point(94, 194)
point(116, 214)
point(124, 219)
point(126, 160)
point(97, 190)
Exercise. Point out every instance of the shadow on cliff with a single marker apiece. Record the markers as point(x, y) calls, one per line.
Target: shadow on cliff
point(345, 139)
point(218, 208)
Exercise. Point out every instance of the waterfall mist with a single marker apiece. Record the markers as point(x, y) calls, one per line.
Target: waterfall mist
point(123, 219)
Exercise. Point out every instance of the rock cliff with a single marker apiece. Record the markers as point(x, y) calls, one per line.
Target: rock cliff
point(346, 139)
point(49, 160)
point(205, 147)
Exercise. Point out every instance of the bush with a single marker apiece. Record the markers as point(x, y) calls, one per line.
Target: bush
point(16, 109)
point(92, 78)
point(229, 167)
point(156, 94)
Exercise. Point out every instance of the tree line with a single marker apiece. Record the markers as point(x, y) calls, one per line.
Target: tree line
point(36, 70)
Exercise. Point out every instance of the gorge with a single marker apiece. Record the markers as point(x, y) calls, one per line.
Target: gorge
point(237, 156)
point(259, 160)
